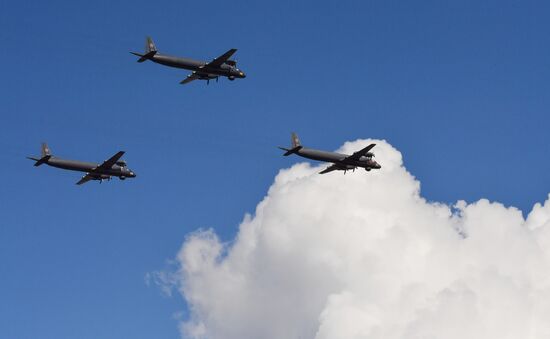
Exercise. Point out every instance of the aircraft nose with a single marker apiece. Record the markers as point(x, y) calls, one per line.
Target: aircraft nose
point(242, 74)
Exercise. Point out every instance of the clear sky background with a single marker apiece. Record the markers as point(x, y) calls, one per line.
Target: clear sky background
point(461, 88)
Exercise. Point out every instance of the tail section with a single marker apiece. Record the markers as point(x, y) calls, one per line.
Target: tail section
point(150, 50)
point(45, 150)
point(294, 140)
point(150, 46)
point(46, 155)
point(296, 145)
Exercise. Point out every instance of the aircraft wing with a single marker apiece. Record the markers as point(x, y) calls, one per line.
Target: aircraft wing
point(221, 59)
point(331, 168)
point(190, 77)
point(107, 164)
point(355, 156)
point(85, 179)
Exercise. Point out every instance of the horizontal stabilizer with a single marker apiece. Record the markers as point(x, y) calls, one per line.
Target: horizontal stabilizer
point(40, 161)
point(291, 151)
point(144, 57)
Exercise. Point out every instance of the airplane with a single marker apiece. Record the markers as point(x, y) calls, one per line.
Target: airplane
point(113, 167)
point(201, 70)
point(341, 162)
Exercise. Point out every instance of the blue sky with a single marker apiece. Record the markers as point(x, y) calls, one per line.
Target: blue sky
point(459, 87)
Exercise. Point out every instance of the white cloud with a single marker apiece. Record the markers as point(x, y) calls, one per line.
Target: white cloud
point(365, 256)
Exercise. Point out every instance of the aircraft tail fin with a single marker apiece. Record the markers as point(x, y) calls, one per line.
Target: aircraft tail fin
point(150, 45)
point(296, 146)
point(45, 150)
point(294, 140)
point(150, 50)
point(46, 155)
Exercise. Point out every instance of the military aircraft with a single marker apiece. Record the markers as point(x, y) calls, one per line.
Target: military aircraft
point(201, 70)
point(341, 162)
point(113, 167)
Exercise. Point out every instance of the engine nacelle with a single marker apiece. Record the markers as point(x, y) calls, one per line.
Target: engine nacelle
point(122, 178)
point(368, 169)
point(121, 163)
point(207, 76)
point(231, 78)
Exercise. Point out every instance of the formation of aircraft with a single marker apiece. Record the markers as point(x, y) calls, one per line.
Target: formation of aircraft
point(201, 70)
point(340, 162)
point(112, 167)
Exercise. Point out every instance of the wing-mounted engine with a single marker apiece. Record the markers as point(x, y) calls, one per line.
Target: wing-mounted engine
point(99, 177)
point(204, 76)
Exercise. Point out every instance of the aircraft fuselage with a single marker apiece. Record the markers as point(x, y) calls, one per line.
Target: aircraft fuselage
point(81, 166)
point(337, 158)
point(196, 65)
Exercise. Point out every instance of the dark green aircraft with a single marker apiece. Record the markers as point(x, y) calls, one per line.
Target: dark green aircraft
point(221, 66)
point(113, 167)
point(341, 162)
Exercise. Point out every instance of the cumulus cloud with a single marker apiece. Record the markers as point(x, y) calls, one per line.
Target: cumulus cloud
point(365, 256)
